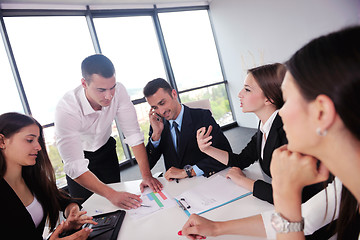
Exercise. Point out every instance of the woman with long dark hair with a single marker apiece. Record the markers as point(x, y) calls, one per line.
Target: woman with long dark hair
point(29, 195)
point(321, 118)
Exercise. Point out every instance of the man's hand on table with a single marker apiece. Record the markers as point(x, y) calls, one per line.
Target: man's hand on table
point(125, 200)
point(151, 182)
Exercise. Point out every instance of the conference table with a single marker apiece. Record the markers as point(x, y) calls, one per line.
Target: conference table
point(165, 224)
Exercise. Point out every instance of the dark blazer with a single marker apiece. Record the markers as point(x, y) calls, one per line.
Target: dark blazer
point(15, 220)
point(252, 153)
point(189, 152)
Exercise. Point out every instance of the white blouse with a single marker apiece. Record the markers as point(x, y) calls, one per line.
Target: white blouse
point(314, 211)
point(36, 211)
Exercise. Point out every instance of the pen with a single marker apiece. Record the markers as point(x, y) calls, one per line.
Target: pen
point(177, 180)
point(143, 205)
point(194, 235)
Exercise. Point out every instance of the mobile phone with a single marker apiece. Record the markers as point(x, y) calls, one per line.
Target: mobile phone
point(158, 117)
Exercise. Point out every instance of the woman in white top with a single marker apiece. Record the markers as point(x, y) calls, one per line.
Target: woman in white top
point(321, 118)
point(29, 195)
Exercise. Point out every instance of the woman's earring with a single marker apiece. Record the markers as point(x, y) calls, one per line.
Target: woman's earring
point(321, 133)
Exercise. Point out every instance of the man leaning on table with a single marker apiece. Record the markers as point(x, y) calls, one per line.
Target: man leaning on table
point(172, 134)
point(83, 122)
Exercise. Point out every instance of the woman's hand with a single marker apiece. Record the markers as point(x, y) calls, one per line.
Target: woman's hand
point(79, 235)
point(198, 227)
point(235, 172)
point(237, 176)
point(76, 218)
point(292, 170)
point(203, 138)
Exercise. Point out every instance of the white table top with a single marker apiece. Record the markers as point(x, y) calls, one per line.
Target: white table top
point(165, 224)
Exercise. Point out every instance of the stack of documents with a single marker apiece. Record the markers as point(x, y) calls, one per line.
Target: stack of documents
point(213, 193)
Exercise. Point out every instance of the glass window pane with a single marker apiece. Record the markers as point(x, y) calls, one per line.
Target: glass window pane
point(119, 147)
point(219, 102)
point(191, 46)
point(48, 52)
point(49, 135)
point(8, 90)
point(142, 111)
point(131, 44)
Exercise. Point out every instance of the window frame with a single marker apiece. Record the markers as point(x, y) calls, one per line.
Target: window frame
point(90, 15)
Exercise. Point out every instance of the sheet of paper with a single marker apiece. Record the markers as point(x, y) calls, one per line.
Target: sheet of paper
point(153, 202)
point(210, 194)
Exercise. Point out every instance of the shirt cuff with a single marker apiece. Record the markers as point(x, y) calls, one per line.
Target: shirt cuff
point(270, 232)
point(155, 143)
point(77, 167)
point(198, 171)
point(134, 139)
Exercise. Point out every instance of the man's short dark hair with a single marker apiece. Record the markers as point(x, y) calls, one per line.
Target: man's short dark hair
point(97, 64)
point(154, 85)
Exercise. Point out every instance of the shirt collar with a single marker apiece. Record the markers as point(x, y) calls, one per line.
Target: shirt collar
point(265, 127)
point(85, 105)
point(179, 118)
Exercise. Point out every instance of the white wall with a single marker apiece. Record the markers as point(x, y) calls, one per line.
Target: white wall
point(254, 32)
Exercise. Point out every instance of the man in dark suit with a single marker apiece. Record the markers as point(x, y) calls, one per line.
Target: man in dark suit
point(172, 134)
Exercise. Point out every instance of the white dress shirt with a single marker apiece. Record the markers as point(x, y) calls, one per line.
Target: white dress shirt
point(78, 127)
point(265, 129)
point(315, 211)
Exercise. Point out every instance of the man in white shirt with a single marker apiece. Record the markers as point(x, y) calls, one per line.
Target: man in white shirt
point(83, 120)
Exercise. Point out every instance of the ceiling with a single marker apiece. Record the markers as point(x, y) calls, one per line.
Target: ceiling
point(99, 2)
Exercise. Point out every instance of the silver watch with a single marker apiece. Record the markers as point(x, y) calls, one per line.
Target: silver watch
point(282, 225)
point(188, 169)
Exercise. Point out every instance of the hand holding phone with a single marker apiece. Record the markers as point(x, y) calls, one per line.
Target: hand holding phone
point(157, 124)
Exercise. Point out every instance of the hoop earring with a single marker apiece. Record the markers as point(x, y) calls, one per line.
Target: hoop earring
point(321, 133)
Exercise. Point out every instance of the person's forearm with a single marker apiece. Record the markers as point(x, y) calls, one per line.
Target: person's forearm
point(287, 201)
point(250, 226)
point(142, 160)
point(92, 183)
point(218, 154)
point(246, 183)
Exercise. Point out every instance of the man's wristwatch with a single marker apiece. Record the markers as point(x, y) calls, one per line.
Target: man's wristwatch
point(188, 169)
point(282, 225)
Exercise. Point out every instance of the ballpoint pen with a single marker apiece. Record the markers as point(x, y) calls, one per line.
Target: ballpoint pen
point(143, 205)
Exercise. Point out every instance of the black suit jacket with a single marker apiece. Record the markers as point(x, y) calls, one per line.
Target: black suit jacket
point(189, 152)
point(252, 153)
point(15, 220)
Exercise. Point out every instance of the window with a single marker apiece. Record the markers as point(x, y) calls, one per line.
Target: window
point(219, 102)
point(48, 52)
point(131, 44)
point(8, 91)
point(192, 51)
point(194, 60)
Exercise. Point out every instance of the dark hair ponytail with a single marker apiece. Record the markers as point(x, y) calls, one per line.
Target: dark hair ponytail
point(269, 77)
